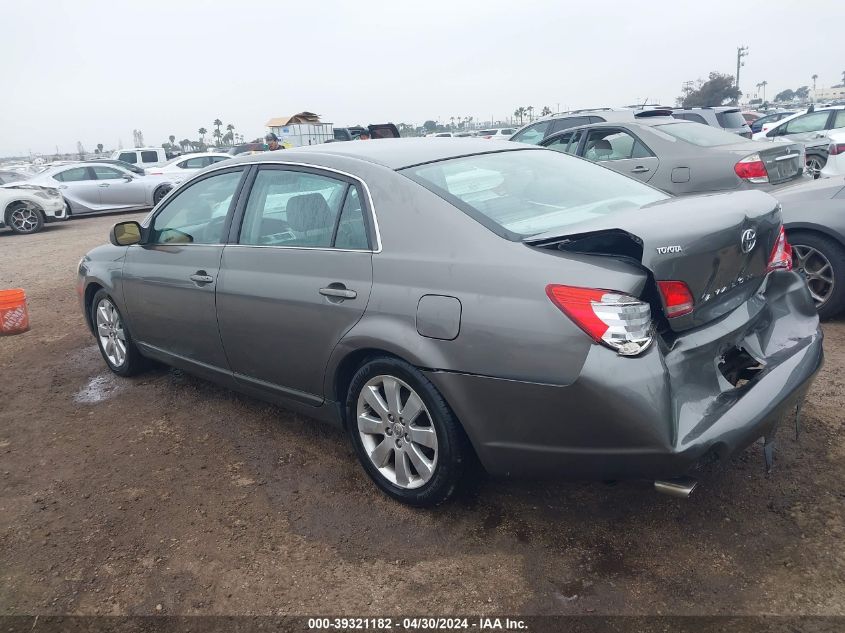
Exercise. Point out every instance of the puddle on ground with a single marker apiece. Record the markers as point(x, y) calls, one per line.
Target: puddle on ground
point(98, 389)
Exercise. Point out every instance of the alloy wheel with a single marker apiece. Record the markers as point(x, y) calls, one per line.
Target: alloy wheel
point(24, 219)
point(110, 332)
point(814, 166)
point(397, 432)
point(816, 270)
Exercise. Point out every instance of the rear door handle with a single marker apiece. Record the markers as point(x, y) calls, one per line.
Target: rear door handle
point(201, 278)
point(339, 293)
point(640, 170)
point(103, 184)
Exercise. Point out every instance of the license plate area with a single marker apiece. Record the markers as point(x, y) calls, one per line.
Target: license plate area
point(739, 367)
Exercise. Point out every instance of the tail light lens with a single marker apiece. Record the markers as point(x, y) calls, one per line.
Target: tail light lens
point(677, 298)
point(752, 168)
point(619, 321)
point(836, 149)
point(781, 257)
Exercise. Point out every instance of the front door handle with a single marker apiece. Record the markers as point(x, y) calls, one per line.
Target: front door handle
point(201, 278)
point(340, 292)
point(103, 184)
point(640, 169)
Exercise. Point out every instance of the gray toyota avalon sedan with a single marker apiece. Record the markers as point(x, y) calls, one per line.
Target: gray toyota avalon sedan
point(439, 298)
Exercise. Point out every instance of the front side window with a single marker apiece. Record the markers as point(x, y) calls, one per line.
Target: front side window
point(813, 122)
point(566, 142)
point(839, 120)
point(149, 157)
point(107, 173)
point(128, 157)
point(76, 174)
point(292, 208)
point(521, 193)
point(533, 134)
point(197, 214)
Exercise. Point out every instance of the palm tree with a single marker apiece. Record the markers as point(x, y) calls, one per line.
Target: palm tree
point(172, 139)
point(185, 143)
point(99, 148)
point(202, 132)
point(217, 124)
point(519, 113)
point(764, 83)
point(530, 111)
point(814, 86)
point(231, 130)
point(546, 111)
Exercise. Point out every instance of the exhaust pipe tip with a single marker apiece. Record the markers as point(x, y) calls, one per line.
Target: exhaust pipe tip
point(680, 487)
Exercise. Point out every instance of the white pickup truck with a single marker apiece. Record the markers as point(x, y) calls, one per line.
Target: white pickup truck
point(143, 157)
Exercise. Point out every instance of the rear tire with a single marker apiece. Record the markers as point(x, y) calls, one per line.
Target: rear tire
point(409, 441)
point(159, 193)
point(24, 218)
point(113, 337)
point(821, 260)
point(68, 208)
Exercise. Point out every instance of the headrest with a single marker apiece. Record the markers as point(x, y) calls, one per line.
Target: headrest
point(308, 212)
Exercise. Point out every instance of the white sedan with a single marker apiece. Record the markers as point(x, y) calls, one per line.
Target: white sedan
point(183, 167)
point(25, 207)
point(835, 165)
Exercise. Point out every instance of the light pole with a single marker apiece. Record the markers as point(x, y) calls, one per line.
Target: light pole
point(814, 87)
point(741, 51)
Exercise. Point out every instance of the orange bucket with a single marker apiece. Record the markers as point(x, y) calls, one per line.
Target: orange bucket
point(14, 318)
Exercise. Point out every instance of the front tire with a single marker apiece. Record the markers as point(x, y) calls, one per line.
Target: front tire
point(406, 436)
point(158, 194)
point(113, 337)
point(815, 163)
point(821, 261)
point(24, 218)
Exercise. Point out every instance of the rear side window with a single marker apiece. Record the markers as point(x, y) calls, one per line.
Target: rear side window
point(107, 173)
point(568, 122)
point(813, 122)
point(603, 145)
point(731, 119)
point(292, 208)
point(149, 157)
point(194, 163)
point(533, 134)
point(839, 121)
point(526, 192)
point(128, 157)
point(351, 230)
point(506, 131)
point(73, 175)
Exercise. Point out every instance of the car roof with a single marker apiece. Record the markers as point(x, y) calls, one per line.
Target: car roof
point(394, 153)
point(712, 108)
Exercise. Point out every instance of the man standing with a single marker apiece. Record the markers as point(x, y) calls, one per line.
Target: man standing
point(273, 142)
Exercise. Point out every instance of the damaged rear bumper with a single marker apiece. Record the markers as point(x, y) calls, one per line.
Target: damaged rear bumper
point(658, 415)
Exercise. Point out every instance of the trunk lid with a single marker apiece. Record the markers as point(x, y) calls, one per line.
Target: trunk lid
point(784, 161)
point(719, 245)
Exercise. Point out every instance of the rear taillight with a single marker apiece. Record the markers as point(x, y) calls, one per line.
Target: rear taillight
point(752, 168)
point(617, 320)
point(836, 148)
point(781, 257)
point(677, 298)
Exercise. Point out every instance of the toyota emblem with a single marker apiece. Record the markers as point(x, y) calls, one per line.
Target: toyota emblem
point(748, 240)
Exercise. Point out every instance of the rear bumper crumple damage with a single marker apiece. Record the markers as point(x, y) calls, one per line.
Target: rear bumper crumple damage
point(704, 394)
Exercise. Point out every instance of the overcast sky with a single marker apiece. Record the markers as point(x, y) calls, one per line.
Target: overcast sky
point(91, 70)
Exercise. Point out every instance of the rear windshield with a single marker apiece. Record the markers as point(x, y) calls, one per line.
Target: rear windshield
point(507, 131)
point(730, 119)
point(701, 135)
point(521, 193)
point(486, 132)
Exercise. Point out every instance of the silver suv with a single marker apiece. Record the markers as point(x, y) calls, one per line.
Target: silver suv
point(728, 118)
point(537, 131)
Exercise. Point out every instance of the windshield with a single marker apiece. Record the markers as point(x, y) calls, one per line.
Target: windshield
point(731, 118)
point(701, 135)
point(521, 193)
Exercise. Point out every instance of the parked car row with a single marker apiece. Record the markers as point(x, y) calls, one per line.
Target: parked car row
point(447, 300)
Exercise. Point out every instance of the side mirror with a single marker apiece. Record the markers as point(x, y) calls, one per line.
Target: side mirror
point(125, 233)
point(128, 177)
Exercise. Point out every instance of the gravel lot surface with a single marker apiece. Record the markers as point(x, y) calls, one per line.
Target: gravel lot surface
point(164, 494)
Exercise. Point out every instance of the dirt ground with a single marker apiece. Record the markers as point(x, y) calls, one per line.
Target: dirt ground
point(164, 494)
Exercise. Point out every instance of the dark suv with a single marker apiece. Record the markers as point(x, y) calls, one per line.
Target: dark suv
point(727, 118)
